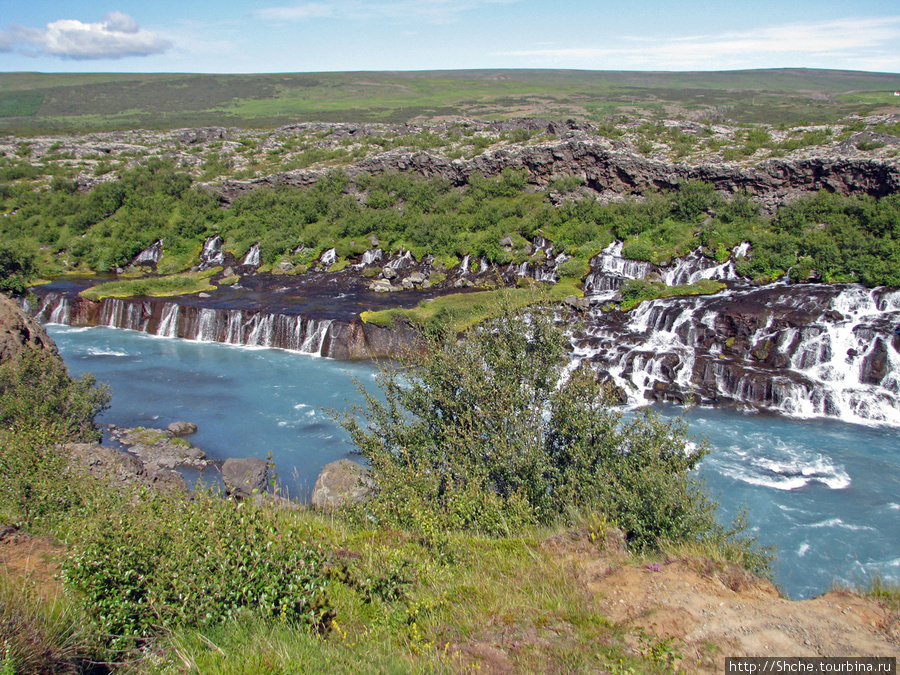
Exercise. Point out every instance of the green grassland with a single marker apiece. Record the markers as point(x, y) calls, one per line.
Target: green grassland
point(37, 102)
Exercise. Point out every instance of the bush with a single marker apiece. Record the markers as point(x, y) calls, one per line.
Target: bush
point(37, 392)
point(491, 433)
point(168, 563)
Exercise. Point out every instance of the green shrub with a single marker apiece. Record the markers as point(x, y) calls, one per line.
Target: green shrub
point(37, 392)
point(485, 434)
point(173, 563)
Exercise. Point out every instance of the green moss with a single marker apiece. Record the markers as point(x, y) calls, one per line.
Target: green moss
point(176, 284)
point(635, 291)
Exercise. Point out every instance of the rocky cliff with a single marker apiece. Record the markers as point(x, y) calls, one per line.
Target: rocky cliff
point(20, 332)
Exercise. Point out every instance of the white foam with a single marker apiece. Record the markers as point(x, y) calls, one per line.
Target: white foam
point(100, 351)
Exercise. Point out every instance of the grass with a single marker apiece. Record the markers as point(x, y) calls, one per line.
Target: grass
point(32, 102)
point(460, 311)
point(636, 291)
point(40, 632)
point(157, 287)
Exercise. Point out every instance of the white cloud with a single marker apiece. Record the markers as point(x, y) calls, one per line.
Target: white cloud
point(314, 10)
point(115, 36)
point(867, 39)
point(436, 11)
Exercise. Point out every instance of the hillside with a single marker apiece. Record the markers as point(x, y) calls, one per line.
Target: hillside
point(36, 103)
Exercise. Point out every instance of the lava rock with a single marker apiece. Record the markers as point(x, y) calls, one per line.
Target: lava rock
point(182, 428)
point(246, 477)
point(342, 483)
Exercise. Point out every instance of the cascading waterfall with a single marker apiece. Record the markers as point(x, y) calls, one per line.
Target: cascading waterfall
point(328, 258)
point(370, 257)
point(252, 259)
point(609, 269)
point(802, 350)
point(151, 254)
point(211, 255)
point(168, 324)
point(200, 324)
point(695, 266)
point(61, 311)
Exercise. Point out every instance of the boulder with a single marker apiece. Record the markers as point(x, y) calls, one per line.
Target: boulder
point(342, 483)
point(417, 278)
point(381, 286)
point(246, 477)
point(19, 332)
point(182, 428)
point(388, 272)
point(573, 301)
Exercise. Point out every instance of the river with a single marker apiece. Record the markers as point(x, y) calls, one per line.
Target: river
point(824, 493)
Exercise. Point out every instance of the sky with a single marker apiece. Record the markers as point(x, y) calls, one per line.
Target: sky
point(270, 36)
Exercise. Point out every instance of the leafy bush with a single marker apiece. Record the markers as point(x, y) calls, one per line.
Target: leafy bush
point(489, 434)
point(37, 392)
point(169, 563)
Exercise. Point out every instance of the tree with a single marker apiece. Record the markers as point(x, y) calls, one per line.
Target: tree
point(494, 431)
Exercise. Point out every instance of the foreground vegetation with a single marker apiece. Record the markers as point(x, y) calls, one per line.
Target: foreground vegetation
point(414, 581)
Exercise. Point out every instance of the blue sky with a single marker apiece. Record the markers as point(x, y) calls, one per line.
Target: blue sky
point(260, 36)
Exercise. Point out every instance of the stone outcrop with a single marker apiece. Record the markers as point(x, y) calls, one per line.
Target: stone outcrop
point(123, 470)
point(20, 332)
point(342, 483)
point(158, 449)
point(245, 478)
point(609, 169)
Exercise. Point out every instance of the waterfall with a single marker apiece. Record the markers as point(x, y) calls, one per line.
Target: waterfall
point(173, 320)
point(401, 261)
point(152, 254)
point(802, 350)
point(609, 269)
point(211, 255)
point(206, 326)
point(315, 333)
point(168, 323)
point(464, 266)
point(328, 258)
point(118, 313)
point(252, 259)
point(370, 257)
point(61, 312)
point(695, 266)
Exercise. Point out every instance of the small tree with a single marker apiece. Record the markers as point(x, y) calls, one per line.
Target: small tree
point(495, 431)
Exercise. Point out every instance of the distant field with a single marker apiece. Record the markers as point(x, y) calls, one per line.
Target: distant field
point(34, 102)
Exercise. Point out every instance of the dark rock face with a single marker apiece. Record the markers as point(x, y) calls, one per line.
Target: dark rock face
point(245, 478)
point(342, 483)
point(20, 332)
point(608, 169)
